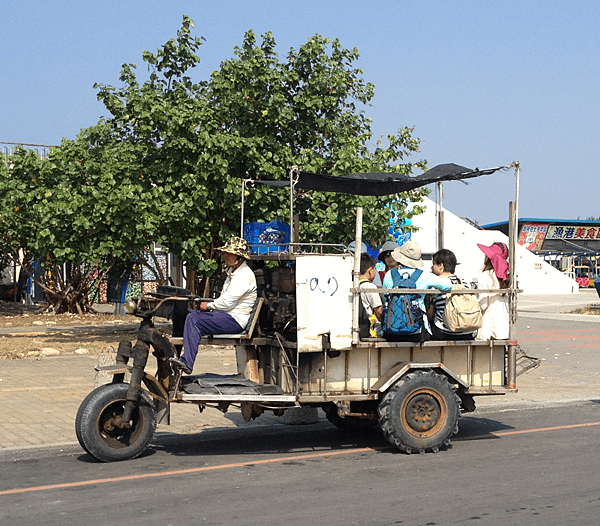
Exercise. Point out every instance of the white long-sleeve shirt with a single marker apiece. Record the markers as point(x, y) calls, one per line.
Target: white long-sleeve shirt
point(238, 296)
point(494, 308)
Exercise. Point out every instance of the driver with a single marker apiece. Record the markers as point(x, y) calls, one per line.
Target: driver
point(230, 312)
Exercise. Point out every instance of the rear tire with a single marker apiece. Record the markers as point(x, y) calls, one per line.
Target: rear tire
point(107, 442)
point(420, 412)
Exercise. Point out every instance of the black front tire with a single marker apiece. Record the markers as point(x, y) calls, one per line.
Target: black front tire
point(95, 429)
point(420, 412)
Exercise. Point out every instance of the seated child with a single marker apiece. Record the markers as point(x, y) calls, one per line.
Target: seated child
point(444, 266)
point(370, 321)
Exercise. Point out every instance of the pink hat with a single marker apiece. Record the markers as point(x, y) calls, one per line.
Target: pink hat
point(498, 254)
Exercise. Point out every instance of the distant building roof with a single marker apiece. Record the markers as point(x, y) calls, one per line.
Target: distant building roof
point(555, 236)
point(494, 226)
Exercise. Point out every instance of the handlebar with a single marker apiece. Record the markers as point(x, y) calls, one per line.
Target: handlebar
point(161, 301)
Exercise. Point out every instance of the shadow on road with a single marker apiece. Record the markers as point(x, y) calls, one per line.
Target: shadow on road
point(276, 439)
point(476, 428)
point(285, 440)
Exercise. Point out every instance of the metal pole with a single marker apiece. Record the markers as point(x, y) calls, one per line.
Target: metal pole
point(440, 225)
point(242, 215)
point(293, 170)
point(512, 277)
point(16, 280)
point(517, 177)
point(512, 297)
point(356, 276)
point(517, 166)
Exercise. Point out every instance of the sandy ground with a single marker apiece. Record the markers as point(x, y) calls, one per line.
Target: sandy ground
point(67, 338)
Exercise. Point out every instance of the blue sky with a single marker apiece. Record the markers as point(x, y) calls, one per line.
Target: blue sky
point(483, 83)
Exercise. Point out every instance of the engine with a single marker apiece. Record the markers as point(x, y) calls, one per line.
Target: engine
point(278, 286)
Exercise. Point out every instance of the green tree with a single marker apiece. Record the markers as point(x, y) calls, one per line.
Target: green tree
point(23, 188)
point(80, 211)
point(254, 118)
point(165, 165)
point(19, 191)
point(164, 120)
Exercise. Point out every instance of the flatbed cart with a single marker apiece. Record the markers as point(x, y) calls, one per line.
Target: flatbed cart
point(300, 348)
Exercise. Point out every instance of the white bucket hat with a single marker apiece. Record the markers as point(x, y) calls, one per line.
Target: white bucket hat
point(409, 255)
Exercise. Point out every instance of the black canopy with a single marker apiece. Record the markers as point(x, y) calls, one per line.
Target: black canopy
point(380, 184)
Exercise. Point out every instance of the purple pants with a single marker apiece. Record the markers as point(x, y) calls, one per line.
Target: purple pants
point(200, 323)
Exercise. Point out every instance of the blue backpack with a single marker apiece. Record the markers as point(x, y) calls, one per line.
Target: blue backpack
point(403, 314)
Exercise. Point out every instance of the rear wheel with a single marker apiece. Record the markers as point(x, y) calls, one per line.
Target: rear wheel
point(420, 412)
point(97, 429)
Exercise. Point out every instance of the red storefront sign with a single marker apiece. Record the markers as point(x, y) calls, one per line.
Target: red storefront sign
point(532, 236)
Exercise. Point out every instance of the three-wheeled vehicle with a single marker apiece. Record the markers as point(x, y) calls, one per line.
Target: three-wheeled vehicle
point(301, 347)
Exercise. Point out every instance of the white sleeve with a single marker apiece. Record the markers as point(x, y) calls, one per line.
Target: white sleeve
point(240, 286)
point(485, 281)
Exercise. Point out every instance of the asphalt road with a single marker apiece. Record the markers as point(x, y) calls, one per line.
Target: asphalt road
point(527, 459)
point(528, 467)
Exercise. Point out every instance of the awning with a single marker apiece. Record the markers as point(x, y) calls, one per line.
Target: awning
point(380, 184)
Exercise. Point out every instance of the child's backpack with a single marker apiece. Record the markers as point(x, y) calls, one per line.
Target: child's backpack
point(462, 313)
point(403, 314)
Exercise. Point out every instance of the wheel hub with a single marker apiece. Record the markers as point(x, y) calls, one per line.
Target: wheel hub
point(112, 430)
point(422, 413)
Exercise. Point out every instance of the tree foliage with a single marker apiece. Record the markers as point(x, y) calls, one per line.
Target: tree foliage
point(165, 165)
point(80, 211)
point(254, 118)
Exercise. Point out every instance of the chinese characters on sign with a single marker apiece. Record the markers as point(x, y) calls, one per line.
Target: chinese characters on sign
point(573, 232)
point(532, 236)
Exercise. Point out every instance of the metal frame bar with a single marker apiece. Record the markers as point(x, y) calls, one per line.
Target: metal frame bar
point(200, 398)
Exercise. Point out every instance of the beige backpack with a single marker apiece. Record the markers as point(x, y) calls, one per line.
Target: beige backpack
point(462, 313)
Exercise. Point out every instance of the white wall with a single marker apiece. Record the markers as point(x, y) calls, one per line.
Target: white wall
point(534, 276)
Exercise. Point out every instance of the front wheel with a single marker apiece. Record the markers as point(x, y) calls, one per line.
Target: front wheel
point(97, 418)
point(420, 412)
